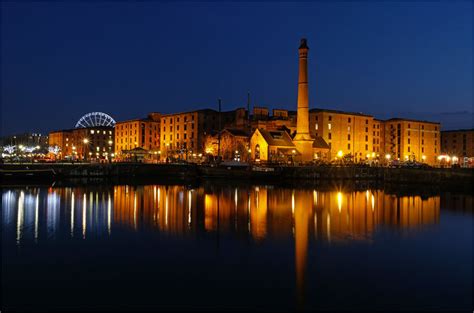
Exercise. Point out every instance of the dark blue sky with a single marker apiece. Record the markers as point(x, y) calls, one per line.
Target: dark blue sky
point(60, 60)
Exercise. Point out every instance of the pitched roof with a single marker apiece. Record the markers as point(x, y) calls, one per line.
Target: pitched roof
point(276, 138)
point(320, 143)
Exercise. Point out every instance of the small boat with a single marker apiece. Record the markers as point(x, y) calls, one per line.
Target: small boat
point(237, 171)
point(262, 169)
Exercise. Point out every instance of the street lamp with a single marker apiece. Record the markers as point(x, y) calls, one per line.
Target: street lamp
point(85, 141)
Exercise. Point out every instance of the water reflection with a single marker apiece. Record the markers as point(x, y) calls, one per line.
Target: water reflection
point(259, 212)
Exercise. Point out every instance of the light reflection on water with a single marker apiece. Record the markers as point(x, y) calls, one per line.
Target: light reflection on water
point(262, 213)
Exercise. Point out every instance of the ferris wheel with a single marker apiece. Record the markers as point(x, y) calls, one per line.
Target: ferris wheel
point(94, 119)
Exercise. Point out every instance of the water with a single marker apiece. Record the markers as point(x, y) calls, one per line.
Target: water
point(216, 247)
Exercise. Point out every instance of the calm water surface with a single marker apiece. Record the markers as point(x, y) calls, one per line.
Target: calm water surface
point(216, 247)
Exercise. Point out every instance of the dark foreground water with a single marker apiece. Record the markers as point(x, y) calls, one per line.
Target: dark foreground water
point(216, 247)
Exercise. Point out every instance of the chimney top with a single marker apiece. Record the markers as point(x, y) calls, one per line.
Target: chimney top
point(303, 44)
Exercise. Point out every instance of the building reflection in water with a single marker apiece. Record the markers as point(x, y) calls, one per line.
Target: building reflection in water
point(258, 212)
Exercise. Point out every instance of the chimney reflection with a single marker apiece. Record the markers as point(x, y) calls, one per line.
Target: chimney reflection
point(302, 212)
point(261, 213)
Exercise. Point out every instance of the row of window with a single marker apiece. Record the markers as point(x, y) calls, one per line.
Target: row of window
point(349, 146)
point(177, 119)
point(185, 136)
point(316, 127)
point(177, 127)
point(125, 126)
point(348, 137)
point(422, 126)
point(349, 120)
point(178, 145)
point(98, 132)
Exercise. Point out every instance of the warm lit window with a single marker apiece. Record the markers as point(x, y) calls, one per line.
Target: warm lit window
point(329, 126)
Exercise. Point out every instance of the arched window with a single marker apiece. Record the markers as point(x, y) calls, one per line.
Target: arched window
point(257, 152)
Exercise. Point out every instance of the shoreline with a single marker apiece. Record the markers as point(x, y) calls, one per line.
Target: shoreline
point(189, 173)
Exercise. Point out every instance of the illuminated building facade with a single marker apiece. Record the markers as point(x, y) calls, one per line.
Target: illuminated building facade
point(25, 139)
point(303, 139)
point(378, 138)
point(279, 119)
point(234, 144)
point(273, 146)
point(346, 133)
point(412, 140)
point(458, 143)
point(268, 144)
point(94, 143)
point(143, 133)
point(183, 134)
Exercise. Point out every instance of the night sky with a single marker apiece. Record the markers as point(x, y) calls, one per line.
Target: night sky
point(60, 61)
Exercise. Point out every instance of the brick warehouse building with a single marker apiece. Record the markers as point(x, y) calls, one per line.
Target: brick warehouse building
point(91, 143)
